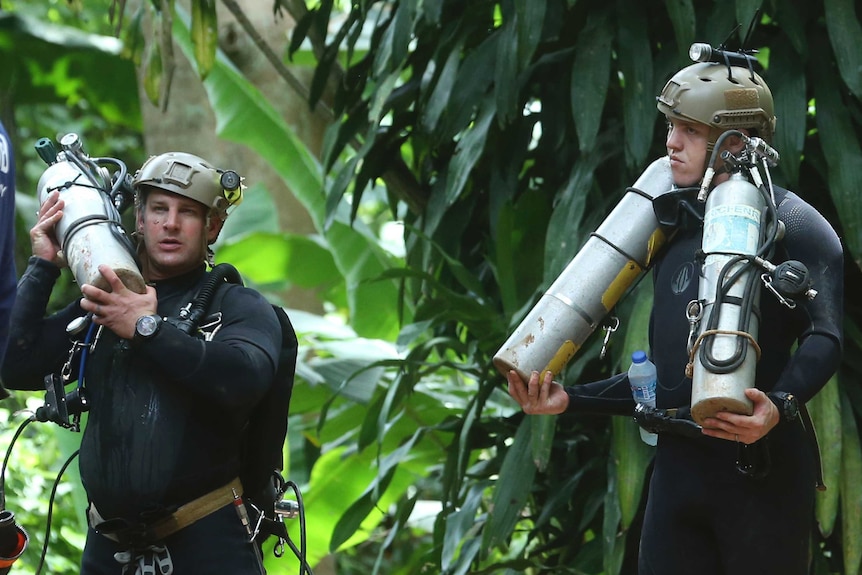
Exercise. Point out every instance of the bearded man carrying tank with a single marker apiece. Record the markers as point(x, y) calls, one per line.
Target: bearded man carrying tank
point(160, 454)
point(735, 495)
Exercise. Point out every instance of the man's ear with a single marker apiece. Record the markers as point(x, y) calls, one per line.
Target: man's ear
point(214, 226)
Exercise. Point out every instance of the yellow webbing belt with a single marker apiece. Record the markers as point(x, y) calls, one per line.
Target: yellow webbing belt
point(185, 515)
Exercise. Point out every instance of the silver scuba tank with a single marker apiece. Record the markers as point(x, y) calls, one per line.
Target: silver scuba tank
point(90, 233)
point(725, 351)
point(613, 258)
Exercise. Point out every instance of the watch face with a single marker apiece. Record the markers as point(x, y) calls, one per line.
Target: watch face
point(791, 408)
point(147, 325)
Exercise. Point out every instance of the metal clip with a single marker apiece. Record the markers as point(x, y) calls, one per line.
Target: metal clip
point(694, 313)
point(611, 327)
point(96, 339)
point(211, 327)
point(767, 281)
point(66, 371)
point(256, 531)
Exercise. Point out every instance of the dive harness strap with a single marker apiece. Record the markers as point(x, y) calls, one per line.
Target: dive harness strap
point(184, 516)
point(678, 421)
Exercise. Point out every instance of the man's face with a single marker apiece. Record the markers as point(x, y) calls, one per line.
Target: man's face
point(176, 232)
point(687, 148)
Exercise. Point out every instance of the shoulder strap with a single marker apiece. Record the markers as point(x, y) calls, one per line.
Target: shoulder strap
point(191, 315)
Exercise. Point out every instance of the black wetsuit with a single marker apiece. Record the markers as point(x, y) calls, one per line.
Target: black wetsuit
point(703, 516)
point(7, 240)
point(166, 415)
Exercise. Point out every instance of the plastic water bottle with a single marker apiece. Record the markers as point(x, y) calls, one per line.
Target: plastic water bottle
point(642, 378)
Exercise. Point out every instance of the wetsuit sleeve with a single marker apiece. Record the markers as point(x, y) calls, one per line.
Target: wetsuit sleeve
point(38, 345)
point(811, 240)
point(611, 396)
point(7, 238)
point(235, 368)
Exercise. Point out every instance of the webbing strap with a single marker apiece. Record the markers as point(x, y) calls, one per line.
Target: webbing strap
point(184, 516)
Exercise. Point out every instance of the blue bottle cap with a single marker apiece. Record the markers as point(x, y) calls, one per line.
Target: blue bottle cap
point(639, 356)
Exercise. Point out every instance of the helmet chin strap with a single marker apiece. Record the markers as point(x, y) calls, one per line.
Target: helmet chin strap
point(722, 169)
point(714, 135)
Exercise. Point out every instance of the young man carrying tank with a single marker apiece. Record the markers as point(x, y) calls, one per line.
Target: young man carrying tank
point(711, 508)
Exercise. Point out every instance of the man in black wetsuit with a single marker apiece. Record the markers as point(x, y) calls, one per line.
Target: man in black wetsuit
point(704, 515)
point(160, 454)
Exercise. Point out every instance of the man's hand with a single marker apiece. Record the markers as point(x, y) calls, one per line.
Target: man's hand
point(43, 238)
point(120, 308)
point(535, 398)
point(744, 428)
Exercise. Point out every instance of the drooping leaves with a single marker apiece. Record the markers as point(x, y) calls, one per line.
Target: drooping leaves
point(204, 34)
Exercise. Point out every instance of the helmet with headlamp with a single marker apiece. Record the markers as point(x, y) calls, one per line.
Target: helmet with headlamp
point(193, 177)
point(722, 95)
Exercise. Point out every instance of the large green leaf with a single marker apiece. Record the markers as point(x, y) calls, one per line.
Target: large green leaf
point(825, 409)
point(842, 151)
point(462, 529)
point(359, 510)
point(542, 439)
point(467, 153)
point(513, 486)
point(745, 16)
point(475, 77)
point(787, 82)
point(336, 483)
point(851, 490)
point(531, 21)
point(590, 77)
point(638, 90)
point(613, 539)
point(563, 229)
point(439, 96)
point(845, 34)
point(631, 455)
point(266, 258)
point(204, 34)
point(792, 15)
point(506, 72)
point(681, 13)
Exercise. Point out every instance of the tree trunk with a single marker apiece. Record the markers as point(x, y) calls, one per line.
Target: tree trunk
point(188, 124)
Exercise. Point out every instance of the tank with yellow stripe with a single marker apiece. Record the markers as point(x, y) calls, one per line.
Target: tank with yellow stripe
point(615, 256)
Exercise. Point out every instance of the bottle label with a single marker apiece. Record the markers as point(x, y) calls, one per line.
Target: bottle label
point(644, 394)
point(731, 228)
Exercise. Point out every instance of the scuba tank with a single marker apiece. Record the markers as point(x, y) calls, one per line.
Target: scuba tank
point(729, 288)
point(90, 232)
point(740, 231)
point(616, 255)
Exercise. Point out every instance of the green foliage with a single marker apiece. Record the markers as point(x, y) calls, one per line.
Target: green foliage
point(503, 132)
point(34, 465)
point(60, 64)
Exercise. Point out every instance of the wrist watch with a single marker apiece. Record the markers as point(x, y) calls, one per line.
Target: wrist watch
point(147, 326)
point(787, 405)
